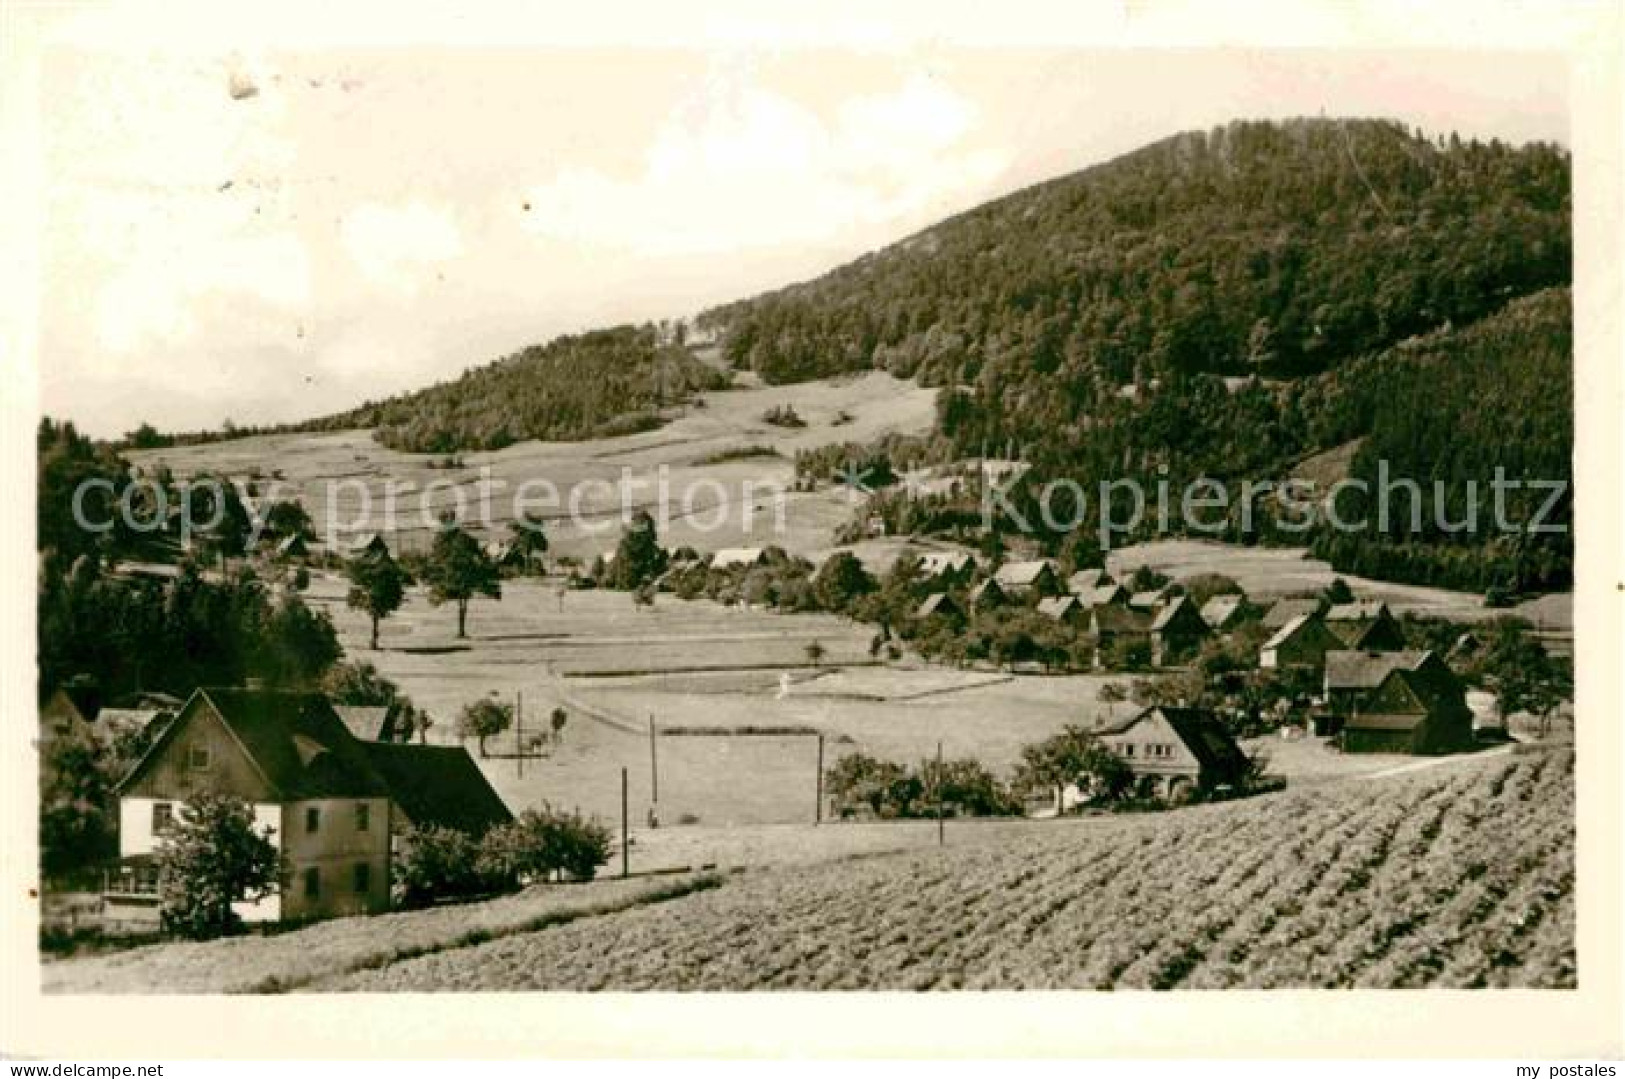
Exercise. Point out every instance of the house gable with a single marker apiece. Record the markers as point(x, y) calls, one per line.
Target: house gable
point(197, 752)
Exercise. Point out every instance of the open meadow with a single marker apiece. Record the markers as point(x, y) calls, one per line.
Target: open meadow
point(712, 502)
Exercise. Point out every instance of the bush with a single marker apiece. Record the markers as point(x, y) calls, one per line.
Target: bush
point(540, 844)
point(440, 863)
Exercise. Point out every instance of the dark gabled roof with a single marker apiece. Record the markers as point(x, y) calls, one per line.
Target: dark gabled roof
point(438, 785)
point(1060, 607)
point(1351, 669)
point(1180, 607)
point(1113, 619)
point(1086, 580)
point(1287, 610)
point(937, 603)
point(1303, 623)
point(295, 740)
point(1207, 739)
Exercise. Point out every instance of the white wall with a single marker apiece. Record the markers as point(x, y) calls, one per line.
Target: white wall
point(136, 837)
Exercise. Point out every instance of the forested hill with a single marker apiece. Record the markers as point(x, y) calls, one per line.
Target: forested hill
point(1276, 247)
point(592, 385)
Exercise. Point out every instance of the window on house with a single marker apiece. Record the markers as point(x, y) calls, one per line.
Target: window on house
point(363, 817)
point(197, 758)
point(313, 882)
point(163, 817)
point(1128, 749)
point(313, 819)
point(363, 878)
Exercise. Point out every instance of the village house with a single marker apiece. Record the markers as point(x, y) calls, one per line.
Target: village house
point(1176, 751)
point(940, 605)
point(1414, 709)
point(1367, 625)
point(1108, 594)
point(67, 714)
point(946, 568)
point(1284, 611)
point(1067, 610)
point(1085, 581)
point(1147, 601)
point(1302, 643)
point(1221, 613)
point(1176, 632)
point(1036, 577)
point(987, 595)
point(1115, 628)
point(1354, 674)
point(329, 808)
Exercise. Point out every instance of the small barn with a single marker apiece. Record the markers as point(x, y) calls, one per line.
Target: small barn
point(1302, 643)
point(1177, 632)
point(1284, 611)
point(1085, 581)
point(939, 605)
point(1413, 711)
point(1035, 577)
point(1064, 609)
point(1221, 613)
point(1367, 625)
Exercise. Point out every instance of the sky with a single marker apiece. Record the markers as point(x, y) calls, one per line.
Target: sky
point(277, 235)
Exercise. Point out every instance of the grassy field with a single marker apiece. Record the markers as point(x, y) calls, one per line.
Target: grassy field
point(1455, 872)
point(335, 473)
point(284, 961)
point(697, 665)
point(1454, 876)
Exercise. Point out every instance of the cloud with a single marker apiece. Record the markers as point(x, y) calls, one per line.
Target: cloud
point(392, 246)
point(741, 166)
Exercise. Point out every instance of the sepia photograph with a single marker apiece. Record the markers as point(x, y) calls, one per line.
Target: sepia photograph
point(746, 514)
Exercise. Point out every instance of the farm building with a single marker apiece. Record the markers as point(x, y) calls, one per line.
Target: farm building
point(1302, 642)
point(1176, 632)
point(1223, 612)
point(946, 567)
point(1147, 601)
point(1414, 710)
point(1105, 595)
point(987, 595)
point(1065, 609)
point(729, 557)
point(1366, 625)
point(1117, 627)
point(1286, 610)
point(1353, 674)
point(1085, 581)
point(939, 605)
point(1028, 578)
point(68, 713)
point(311, 781)
point(1176, 750)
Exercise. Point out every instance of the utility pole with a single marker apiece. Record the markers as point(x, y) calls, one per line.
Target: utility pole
point(625, 864)
point(818, 806)
point(941, 838)
point(519, 729)
point(654, 764)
